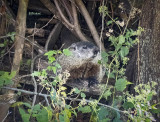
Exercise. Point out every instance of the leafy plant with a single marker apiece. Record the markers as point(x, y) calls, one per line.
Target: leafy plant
point(4, 43)
point(6, 78)
point(137, 108)
point(140, 105)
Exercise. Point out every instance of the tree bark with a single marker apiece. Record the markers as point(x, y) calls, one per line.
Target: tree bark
point(20, 34)
point(19, 44)
point(149, 46)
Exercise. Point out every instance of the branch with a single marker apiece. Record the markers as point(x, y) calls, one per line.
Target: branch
point(66, 98)
point(53, 36)
point(51, 7)
point(62, 15)
point(19, 44)
point(90, 24)
point(33, 78)
point(76, 24)
point(27, 39)
point(20, 30)
point(36, 31)
point(68, 9)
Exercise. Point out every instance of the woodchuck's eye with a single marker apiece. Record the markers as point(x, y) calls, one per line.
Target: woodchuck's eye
point(72, 48)
point(84, 47)
point(95, 52)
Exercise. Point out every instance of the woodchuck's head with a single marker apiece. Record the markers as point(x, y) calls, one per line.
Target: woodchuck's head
point(84, 50)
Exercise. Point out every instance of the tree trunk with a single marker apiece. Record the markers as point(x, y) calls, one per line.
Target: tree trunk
point(19, 44)
point(149, 46)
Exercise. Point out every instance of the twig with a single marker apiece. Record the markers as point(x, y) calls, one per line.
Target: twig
point(6, 116)
point(1, 37)
point(7, 51)
point(129, 18)
point(54, 30)
point(76, 24)
point(67, 98)
point(41, 27)
point(67, 7)
point(34, 81)
point(62, 15)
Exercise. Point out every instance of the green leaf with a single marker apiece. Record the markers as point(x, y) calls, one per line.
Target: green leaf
point(104, 57)
point(17, 104)
point(76, 90)
point(36, 107)
point(112, 75)
point(62, 88)
point(156, 111)
point(67, 52)
point(12, 37)
point(36, 73)
point(42, 115)
point(124, 51)
point(85, 109)
point(58, 65)
point(83, 95)
point(24, 115)
point(51, 53)
point(51, 59)
point(67, 115)
point(103, 113)
point(121, 39)
point(27, 104)
point(107, 94)
point(2, 45)
point(121, 84)
point(128, 105)
point(117, 120)
point(109, 22)
point(6, 78)
point(118, 46)
point(61, 118)
point(54, 69)
point(49, 68)
point(50, 112)
point(149, 97)
point(13, 74)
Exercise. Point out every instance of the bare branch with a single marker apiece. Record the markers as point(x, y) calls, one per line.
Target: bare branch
point(36, 31)
point(51, 7)
point(67, 98)
point(90, 23)
point(76, 24)
point(68, 9)
point(62, 15)
point(53, 36)
point(33, 79)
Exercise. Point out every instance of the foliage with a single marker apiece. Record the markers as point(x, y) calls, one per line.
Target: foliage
point(139, 105)
point(6, 78)
point(41, 113)
point(4, 43)
point(137, 108)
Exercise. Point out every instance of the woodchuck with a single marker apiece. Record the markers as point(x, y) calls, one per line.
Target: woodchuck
point(83, 63)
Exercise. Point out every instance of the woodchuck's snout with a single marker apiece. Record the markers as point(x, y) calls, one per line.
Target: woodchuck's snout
point(95, 52)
